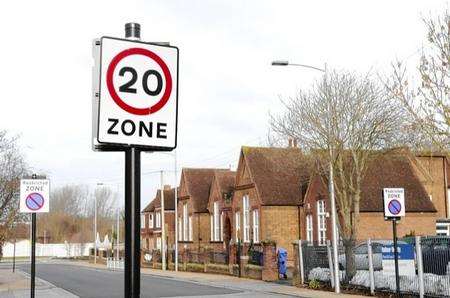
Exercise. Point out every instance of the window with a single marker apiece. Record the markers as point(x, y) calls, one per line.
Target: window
point(158, 243)
point(216, 222)
point(221, 226)
point(150, 220)
point(142, 221)
point(212, 227)
point(246, 208)
point(309, 228)
point(190, 228)
point(180, 229)
point(158, 219)
point(321, 221)
point(185, 222)
point(237, 224)
point(255, 226)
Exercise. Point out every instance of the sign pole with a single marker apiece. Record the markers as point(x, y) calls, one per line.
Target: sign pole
point(132, 222)
point(33, 253)
point(33, 250)
point(397, 277)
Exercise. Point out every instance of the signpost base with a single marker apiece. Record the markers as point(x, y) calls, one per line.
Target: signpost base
point(33, 254)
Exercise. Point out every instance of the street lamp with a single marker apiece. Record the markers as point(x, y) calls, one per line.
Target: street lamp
point(330, 180)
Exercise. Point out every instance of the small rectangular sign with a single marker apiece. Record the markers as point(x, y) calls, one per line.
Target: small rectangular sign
point(34, 195)
point(394, 202)
point(406, 261)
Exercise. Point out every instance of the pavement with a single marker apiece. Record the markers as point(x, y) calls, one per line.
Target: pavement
point(17, 285)
point(82, 279)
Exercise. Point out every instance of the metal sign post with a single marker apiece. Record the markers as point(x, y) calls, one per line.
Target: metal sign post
point(134, 109)
point(394, 209)
point(397, 276)
point(132, 222)
point(34, 198)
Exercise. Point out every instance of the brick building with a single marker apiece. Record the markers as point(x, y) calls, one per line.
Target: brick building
point(219, 207)
point(270, 183)
point(193, 214)
point(432, 170)
point(391, 170)
point(151, 220)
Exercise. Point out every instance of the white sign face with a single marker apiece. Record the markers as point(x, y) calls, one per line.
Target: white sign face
point(138, 90)
point(34, 195)
point(394, 202)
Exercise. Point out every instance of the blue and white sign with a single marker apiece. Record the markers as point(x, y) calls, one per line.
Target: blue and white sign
point(394, 202)
point(406, 263)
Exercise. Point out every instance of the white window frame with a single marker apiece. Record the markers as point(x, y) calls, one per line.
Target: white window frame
point(158, 243)
point(150, 220)
point(190, 228)
point(211, 216)
point(180, 229)
point(216, 221)
point(142, 221)
point(221, 226)
point(255, 215)
point(158, 219)
point(185, 222)
point(246, 218)
point(321, 223)
point(237, 224)
point(309, 228)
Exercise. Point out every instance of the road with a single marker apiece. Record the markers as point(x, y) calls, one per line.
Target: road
point(89, 282)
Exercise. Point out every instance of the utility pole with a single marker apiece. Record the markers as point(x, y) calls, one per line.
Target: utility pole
point(163, 225)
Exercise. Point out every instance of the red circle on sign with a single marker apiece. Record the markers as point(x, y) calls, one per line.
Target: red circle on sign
point(112, 91)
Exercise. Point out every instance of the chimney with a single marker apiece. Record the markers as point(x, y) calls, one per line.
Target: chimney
point(295, 143)
point(290, 143)
point(167, 187)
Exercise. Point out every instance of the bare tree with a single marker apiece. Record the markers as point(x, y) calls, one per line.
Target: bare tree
point(427, 102)
point(347, 119)
point(70, 200)
point(12, 169)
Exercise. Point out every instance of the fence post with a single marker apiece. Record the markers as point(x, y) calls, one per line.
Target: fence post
point(420, 266)
point(330, 263)
point(300, 262)
point(371, 273)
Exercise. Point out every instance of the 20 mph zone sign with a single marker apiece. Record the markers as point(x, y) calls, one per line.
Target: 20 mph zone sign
point(394, 202)
point(136, 102)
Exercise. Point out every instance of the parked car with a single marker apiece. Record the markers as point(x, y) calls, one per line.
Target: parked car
point(362, 256)
point(436, 254)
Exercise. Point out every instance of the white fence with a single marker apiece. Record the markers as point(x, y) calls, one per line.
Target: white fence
point(114, 264)
point(58, 250)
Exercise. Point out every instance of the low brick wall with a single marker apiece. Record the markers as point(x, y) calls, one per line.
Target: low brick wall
point(252, 271)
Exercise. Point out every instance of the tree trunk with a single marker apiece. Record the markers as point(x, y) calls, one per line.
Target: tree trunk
point(350, 264)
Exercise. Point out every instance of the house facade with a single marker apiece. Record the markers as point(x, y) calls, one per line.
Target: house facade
point(219, 207)
point(391, 170)
point(151, 221)
point(270, 183)
point(193, 214)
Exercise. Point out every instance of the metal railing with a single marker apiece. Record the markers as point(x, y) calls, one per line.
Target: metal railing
point(424, 265)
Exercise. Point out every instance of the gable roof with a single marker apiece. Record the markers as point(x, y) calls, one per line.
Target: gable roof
point(390, 170)
point(150, 206)
point(280, 174)
point(225, 180)
point(169, 201)
point(198, 183)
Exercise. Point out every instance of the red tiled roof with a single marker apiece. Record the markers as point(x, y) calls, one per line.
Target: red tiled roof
point(280, 174)
point(226, 180)
point(391, 170)
point(198, 184)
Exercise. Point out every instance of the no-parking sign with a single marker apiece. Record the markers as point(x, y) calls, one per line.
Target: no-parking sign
point(135, 93)
point(34, 195)
point(394, 202)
